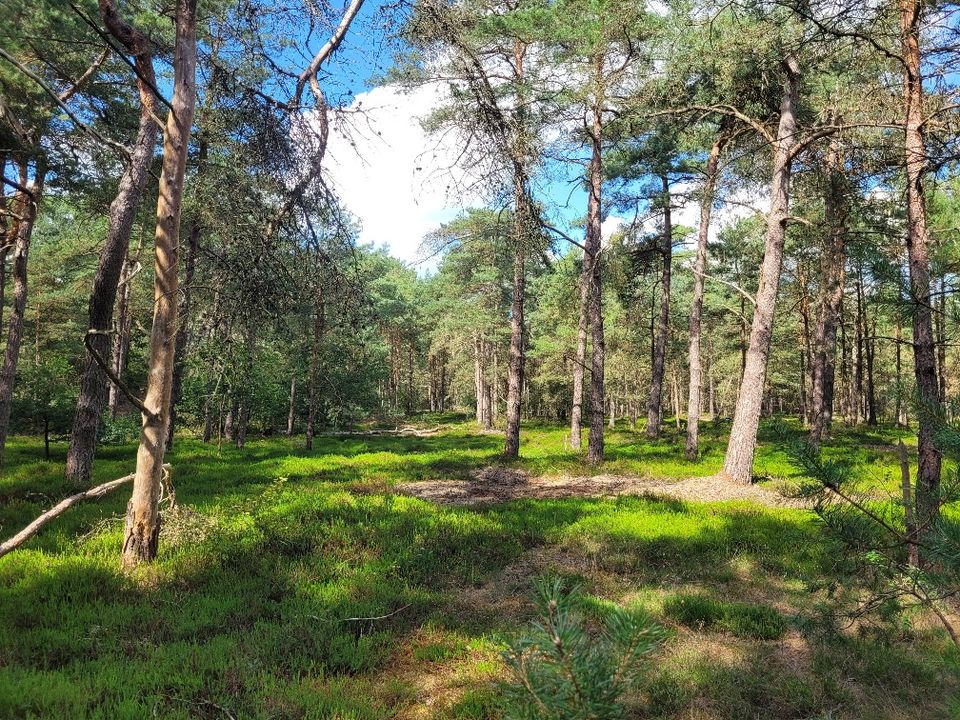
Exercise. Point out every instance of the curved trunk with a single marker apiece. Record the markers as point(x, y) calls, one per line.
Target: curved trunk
point(142, 527)
point(94, 384)
point(738, 463)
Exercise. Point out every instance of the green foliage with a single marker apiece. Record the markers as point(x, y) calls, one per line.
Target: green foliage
point(560, 670)
point(275, 547)
point(902, 563)
point(121, 430)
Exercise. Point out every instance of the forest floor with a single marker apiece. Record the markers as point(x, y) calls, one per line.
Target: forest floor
point(380, 575)
point(496, 484)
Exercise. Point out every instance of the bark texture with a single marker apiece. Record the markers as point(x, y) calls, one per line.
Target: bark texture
point(142, 527)
point(522, 224)
point(832, 274)
point(595, 441)
point(738, 463)
point(918, 241)
point(696, 309)
point(659, 355)
point(27, 204)
point(511, 447)
point(94, 384)
point(580, 354)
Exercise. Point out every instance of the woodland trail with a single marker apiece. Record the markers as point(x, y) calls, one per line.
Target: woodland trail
point(495, 484)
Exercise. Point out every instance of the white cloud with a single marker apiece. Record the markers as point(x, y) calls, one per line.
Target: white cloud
point(396, 178)
point(391, 174)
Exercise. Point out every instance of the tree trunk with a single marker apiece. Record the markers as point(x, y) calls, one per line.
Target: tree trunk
point(675, 397)
point(655, 404)
point(478, 377)
point(576, 412)
point(859, 340)
point(738, 464)
point(941, 338)
point(319, 327)
point(27, 206)
point(142, 528)
point(898, 370)
point(595, 441)
point(243, 420)
point(696, 309)
point(122, 328)
point(511, 448)
point(918, 240)
point(291, 414)
point(229, 421)
point(94, 383)
point(805, 351)
point(836, 212)
point(183, 330)
point(7, 235)
point(409, 404)
point(870, 348)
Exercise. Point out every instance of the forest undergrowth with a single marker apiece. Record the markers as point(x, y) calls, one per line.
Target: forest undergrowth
point(294, 584)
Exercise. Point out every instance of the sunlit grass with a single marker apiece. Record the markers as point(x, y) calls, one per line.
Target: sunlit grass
point(299, 585)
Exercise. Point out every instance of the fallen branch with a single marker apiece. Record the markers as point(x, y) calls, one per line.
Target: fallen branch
point(61, 507)
point(406, 431)
point(377, 617)
point(363, 619)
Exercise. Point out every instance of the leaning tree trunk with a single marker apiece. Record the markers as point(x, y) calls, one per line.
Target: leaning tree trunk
point(696, 310)
point(738, 464)
point(142, 528)
point(836, 211)
point(918, 240)
point(658, 359)
point(27, 205)
point(94, 383)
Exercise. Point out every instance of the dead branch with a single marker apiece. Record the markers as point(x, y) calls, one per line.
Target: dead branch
point(114, 378)
point(61, 507)
point(72, 90)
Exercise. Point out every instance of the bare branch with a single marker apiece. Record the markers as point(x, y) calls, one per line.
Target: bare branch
point(81, 81)
point(114, 378)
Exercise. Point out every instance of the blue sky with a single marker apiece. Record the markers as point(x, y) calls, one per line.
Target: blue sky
point(388, 172)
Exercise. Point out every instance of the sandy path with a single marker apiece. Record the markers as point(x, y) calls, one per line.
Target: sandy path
point(497, 484)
